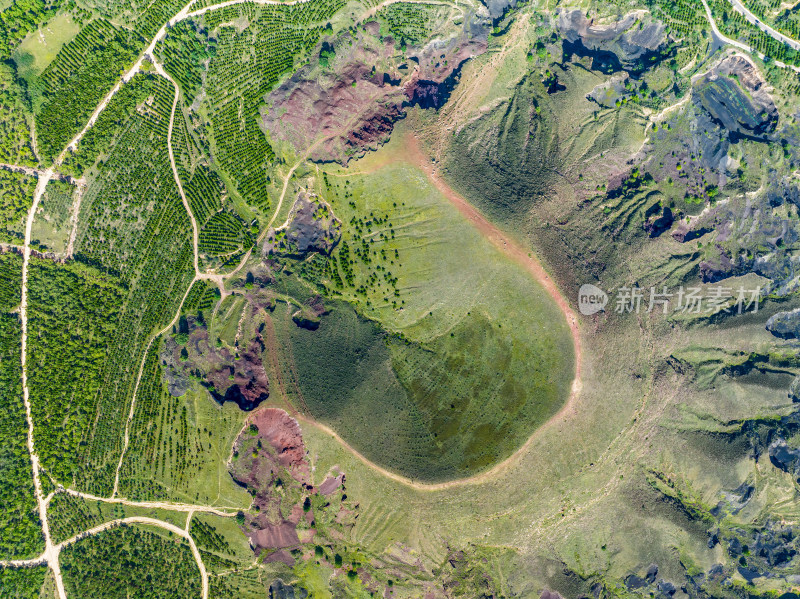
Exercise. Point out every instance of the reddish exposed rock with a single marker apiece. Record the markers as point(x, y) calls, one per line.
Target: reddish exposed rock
point(297, 513)
point(331, 484)
point(276, 536)
point(249, 385)
point(268, 453)
point(283, 434)
point(350, 103)
point(281, 556)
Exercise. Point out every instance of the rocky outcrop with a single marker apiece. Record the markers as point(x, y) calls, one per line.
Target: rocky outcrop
point(794, 390)
point(347, 100)
point(632, 43)
point(660, 222)
point(785, 325)
point(267, 454)
point(735, 96)
point(241, 378)
point(784, 457)
point(311, 227)
point(610, 93)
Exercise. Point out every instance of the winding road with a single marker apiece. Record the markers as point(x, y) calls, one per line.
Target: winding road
point(721, 37)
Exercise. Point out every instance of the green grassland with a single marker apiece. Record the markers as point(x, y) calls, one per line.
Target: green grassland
point(40, 47)
point(20, 532)
point(130, 560)
point(464, 355)
point(52, 226)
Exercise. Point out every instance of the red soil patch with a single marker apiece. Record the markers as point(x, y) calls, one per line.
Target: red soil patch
point(283, 434)
point(276, 536)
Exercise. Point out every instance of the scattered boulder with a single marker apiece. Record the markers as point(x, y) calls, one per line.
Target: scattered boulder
point(784, 457)
point(686, 232)
point(280, 590)
point(794, 390)
point(652, 572)
point(785, 325)
point(308, 317)
point(666, 588)
point(634, 582)
point(610, 93)
point(331, 484)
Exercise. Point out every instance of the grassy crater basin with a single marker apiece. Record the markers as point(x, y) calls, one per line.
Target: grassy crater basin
point(471, 359)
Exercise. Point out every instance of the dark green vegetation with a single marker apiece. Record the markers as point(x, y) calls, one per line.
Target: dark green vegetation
point(134, 232)
point(15, 136)
point(203, 190)
point(21, 583)
point(143, 16)
point(202, 298)
point(416, 340)
point(244, 66)
point(163, 451)
point(480, 411)
point(19, 18)
point(74, 311)
point(73, 84)
point(69, 515)
point(130, 561)
point(733, 24)
point(20, 532)
point(16, 195)
point(185, 52)
point(224, 234)
point(99, 140)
